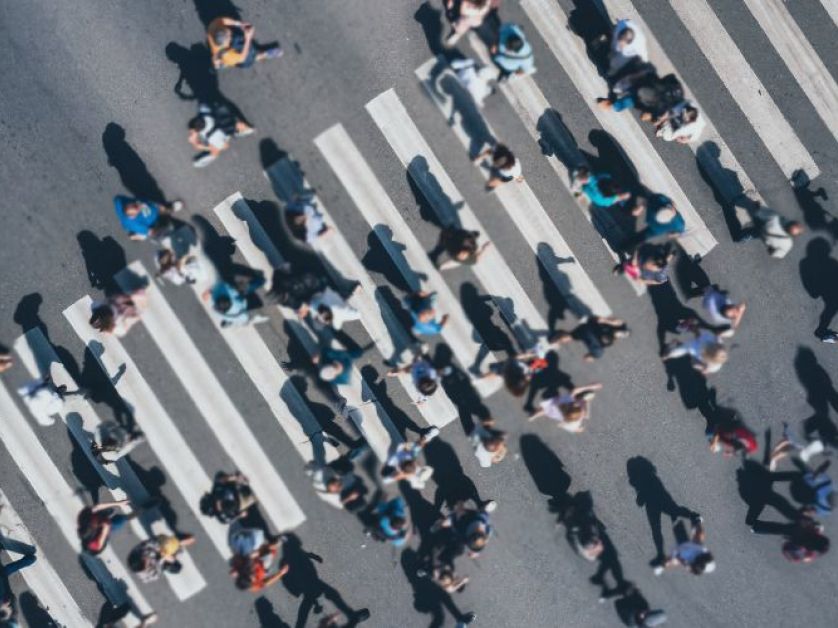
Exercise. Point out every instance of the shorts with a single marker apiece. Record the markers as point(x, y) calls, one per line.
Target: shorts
point(250, 59)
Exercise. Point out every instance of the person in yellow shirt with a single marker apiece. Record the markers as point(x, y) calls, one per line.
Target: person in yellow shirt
point(232, 45)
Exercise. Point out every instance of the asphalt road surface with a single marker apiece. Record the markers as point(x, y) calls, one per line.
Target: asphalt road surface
point(94, 101)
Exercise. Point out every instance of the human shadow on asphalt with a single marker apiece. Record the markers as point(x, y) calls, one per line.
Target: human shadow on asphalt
point(220, 250)
point(103, 258)
point(452, 483)
point(820, 395)
point(267, 616)
point(378, 387)
point(131, 168)
point(818, 273)
point(480, 313)
point(323, 414)
point(558, 292)
point(83, 470)
point(472, 121)
point(430, 19)
point(669, 310)
point(33, 612)
point(756, 488)
point(302, 581)
point(153, 480)
point(547, 471)
point(428, 597)
point(655, 499)
point(546, 383)
point(725, 184)
point(588, 22)
point(814, 215)
point(445, 214)
point(381, 247)
point(458, 387)
point(208, 10)
point(690, 277)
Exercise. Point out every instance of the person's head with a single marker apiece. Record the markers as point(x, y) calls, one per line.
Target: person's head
point(334, 485)
point(222, 37)
point(714, 353)
point(816, 544)
point(582, 174)
point(574, 411)
point(408, 467)
point(466, 247)
point(502, 157)
point(166, 260)
point(690, 114)
point(731, 310)
point(138, 561)
point(665, 214)
point(6, 607)
point(514, 43)
point(477, 540)
point(609, 187)
point(494, 442)
point(222, 304)
point(427, 386)
point(133, 208)
point(515, 378)
point(296, 222)
point(625, 38)
point(397, 522)
point(207, 505)
point(426, 315)
point(198, 123)
point(705, 563)
point(102, 318)
point(794, 228)
point(244, 580)
point(325, 314)
point(330, 371)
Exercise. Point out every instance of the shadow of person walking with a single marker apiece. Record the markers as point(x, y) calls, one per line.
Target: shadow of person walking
point(820, 395)
point(267, 616)
point(756, 487)
point(103, 258)
point(131, 168)
point(302, 581)
point(653, 496)
point(814, 215)
point(818, 272)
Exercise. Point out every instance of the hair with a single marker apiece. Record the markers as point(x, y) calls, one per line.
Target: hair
point(626, 35)
point(222, 304)
point(207, 505)
point(197, 123)
point(397, 522)
point(477, 541)
point(465, 243)
point(700, 564)
point(408, 466)
point(102, 318)
point(573, 412)
point(515, 378)
point(243, 581)
point(609, 187)
point(794, 228)
point(730, 307)
point(427, 386)
point(514, 43)
point(221, 36)
point(296, 222)
point(714, 353)
point(137, 560)
point(166, 260)
point(502, 157)
point(325, 313)
point(494, 442)
point(690, 113)
point(333, 485)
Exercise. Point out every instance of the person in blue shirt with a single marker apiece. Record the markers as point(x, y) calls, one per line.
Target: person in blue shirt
point(144, 219)
point(600, 188)
point(232, 305)
point(421, 306)
point(513, 54)
point(662, 220)
point(335, 365)
point(391, 521)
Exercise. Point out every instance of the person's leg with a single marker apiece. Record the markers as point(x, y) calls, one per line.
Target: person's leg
point(20, 563)
point(305, 609)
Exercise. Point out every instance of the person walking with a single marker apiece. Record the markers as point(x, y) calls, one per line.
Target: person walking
point(45, 399)
point(231, 306)
point(596, 332)
point(390, 521)
point(599, 188)
point(503, 165)
point(628, 46)
point(335, 364)
point(232, 44)
point(329, 309)
point(661, 217)
point(775, 231)
point(8, 601)
point(119, 313)
point(570, 410)
point(460, 246)
point(179, 260)
point(423, 374)
point(304, 220)
point(114, 442)
point(143, 219)
point(158, 554)
point(96, 523)
point(513, 54)
point(472, 527)
point(706, 351)
point(489, 443)
point(211, 131)
point(691, 553)
point(722, 313)
point(467, 15)
point(649, 264)
point(421, 306)
point(403, 463)
point(230, 497)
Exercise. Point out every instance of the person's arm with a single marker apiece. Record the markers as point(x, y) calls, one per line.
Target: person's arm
point(611, 321)
point(272, 579)
point(740, 312)
point(248, 38)
point(588, 388)
point(482, 250)
point(195, 140)
point(698, 532)
point(105, 505)
point(449, 264)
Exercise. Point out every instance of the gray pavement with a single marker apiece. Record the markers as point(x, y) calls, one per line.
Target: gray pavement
point(88, 90)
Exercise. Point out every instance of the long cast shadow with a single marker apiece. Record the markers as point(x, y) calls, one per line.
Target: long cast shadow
point(378, 386)
point(267, 616)
point(756, 488)
point(103, 258)
point(471, 119)
point(814, 215)
point(818, 272)
point(725, 184)
point(378, 260)
point(478, 308)
point(34, 613)
point(820, 395)
point(452, 483)
point(131, 168)
point(457, 385)
point(653, 496)
point(428, 597)
point(443, 215)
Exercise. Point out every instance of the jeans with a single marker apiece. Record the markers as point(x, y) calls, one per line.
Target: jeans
point(623, 103)
point(20, 563)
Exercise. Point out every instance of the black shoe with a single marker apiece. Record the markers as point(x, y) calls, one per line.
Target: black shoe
point(362, 615)
point(466, 619)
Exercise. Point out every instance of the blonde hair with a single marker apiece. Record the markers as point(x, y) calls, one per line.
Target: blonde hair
point(573, 412)
point(714, 353)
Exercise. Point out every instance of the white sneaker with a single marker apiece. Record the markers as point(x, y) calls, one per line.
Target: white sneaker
point(259, 318)
point(490, 506)
point(431, 434)
point(658, 570)
point(177, 206)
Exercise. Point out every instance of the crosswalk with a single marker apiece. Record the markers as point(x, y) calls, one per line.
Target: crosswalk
point(357, 174)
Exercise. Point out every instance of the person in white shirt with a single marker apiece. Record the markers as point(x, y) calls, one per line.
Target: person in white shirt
point(683, 124)
point(503, 167)
point(627, 44)
point(776, 232)
point(721, 311)
point(569, 411)
point(403, 463)
point(330, 309)
point(489, 444)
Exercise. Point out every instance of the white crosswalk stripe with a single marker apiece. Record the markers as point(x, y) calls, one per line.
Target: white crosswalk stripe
point(377, 317)
point(40, 577)
point(569, 50)
point(800, 57)
point(493, 272)
point(519, 201)
point(39, 358)
point(831, 7)
point(744, 86)
point(60, 500)
point(405, 250)
point(260, 253)
point(165, 439)
point(209, 396)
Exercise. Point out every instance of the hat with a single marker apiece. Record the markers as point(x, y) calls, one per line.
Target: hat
point(665, 214)
point(328, 372)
